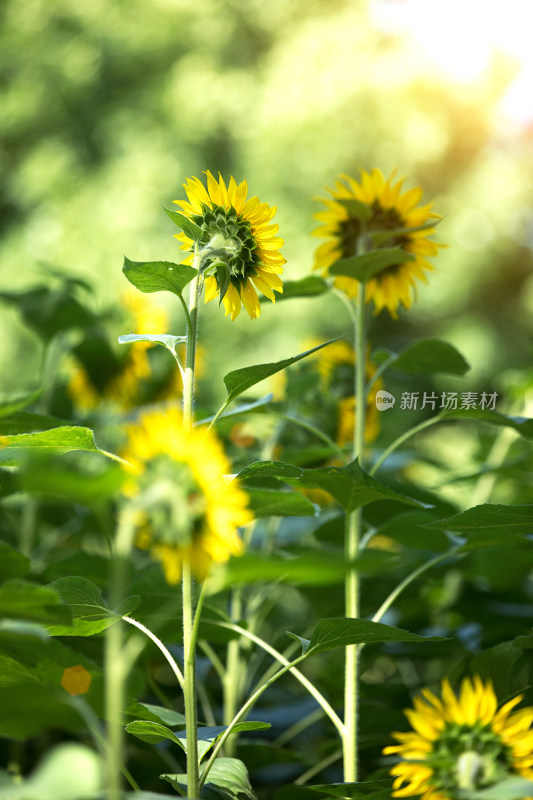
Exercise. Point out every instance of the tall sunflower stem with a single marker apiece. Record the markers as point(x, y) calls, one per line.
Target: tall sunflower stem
point(354, 523)
point(115, 662)
point(189, 689)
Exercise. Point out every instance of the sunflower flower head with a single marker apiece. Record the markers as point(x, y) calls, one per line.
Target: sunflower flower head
point(461, 743)
point(373, 212)
point(190, 513)
point(239, 248)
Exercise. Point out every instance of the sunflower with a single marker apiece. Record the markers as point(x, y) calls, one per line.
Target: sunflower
point(190, 513)
point(461, 743)
point(389, 209)
point(120, 382)
point(239, 247)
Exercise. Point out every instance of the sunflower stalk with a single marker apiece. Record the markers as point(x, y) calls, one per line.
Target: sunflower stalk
point(354, 524)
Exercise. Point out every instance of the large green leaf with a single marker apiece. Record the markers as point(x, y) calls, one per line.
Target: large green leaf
point(153, 732)
point(512, 788)
point(49, 476)
point(28, 601)
point(430, 355)
point(228, 774)
point(56, 440)
point(271, 503)
point(310, 286)
point(352, 487)
point(521, 425)
point(90, 613)
point(158, 276)
point(312, 568)
point(165, 716)
point(489, 524)
point(50, 311)
point(239, 380)
point(362, 268)
point(342, 631)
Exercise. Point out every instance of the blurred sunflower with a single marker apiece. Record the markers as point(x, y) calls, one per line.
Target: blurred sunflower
point(336, 364)
point(190, 513)
point(343, 226)
point(461, 743)
point(118, 378)
point(239, 246)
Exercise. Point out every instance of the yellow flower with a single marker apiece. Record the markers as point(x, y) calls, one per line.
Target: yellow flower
point(122, 386)
point(191, 513)
point(461, 743)
point(389, 210)
point(331, 360)
point(239, 238)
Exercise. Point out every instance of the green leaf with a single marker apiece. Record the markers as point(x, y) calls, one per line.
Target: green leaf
point(271, 503)
point(166, 339)
point(9, 404)
point(44, 476)
point(12, 563)
point(228, 774)
point(382, 236)
point(90, 613)
point(30, 630)
point(68, 772)
point(242, 379)
point(430, 355)
point(521, 425)
point(165, 716)
point(312, 569)
point(152, 732)
point(25, 422)
point(207, 736)
point(57, 440)
point(363, 268)
point(50, 311)
point(489, 524)
point(331, 633)
point(355, 208)
point(22, 600)
point(158, 276)
point(273, 469)
point(149, 731)
point(243, 408)
point(311, 286)
point(352, 487)
point(187, 225)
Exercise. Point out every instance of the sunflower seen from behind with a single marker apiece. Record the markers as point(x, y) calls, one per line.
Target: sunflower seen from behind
point(461, 743)
point(387, 209)
point(239, 250)
point(188, 511)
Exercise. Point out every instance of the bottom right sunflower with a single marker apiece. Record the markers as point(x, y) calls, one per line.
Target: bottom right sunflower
point(461, 743)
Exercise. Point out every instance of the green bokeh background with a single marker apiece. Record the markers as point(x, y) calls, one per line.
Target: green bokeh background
point(108, 105)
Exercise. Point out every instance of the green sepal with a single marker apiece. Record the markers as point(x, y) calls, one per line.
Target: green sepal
point(223, 279)
point(362, 268)
point(355, 208)
point(188, 227)
point(158, 276)
point(380, 236)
